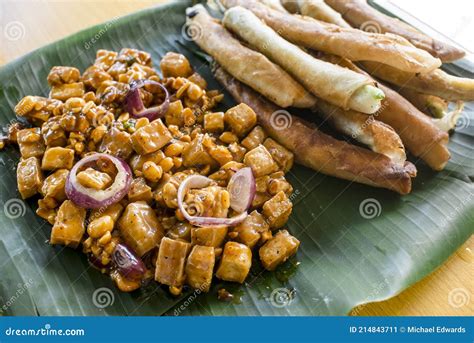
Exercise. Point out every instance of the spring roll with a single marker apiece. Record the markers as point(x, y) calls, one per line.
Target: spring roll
point(248, 66)
point(428, 104)
point(379, 137)
point(419, 133)
point(433, 106)
point(275, 4)
point(339, 86)
point(317, 9)
point(358, 13)
point(356, 45)
point(321, 152)
point(437, 82)
point(450, 119)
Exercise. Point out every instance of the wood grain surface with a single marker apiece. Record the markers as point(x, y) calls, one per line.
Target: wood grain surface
point(29, 24)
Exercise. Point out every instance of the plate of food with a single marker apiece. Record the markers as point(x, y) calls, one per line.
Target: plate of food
point(232, 157)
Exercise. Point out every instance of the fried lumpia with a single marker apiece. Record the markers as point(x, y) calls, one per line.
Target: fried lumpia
point(444, 118)
point(318, 9)
point(428, 104)
point(318, 151)
point(419, 133)
point(358, 13)
point(379, 137)
point(339, 86)
point(248, 66)
point(356, 45)
point(437, 82)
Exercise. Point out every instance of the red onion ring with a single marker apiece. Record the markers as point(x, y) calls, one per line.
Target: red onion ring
point(199, 181)
point(134, 104)
point(241, 188)
point(127, 263)
point(91, 198)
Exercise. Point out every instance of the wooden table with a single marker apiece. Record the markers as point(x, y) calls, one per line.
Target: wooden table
point(42, 22)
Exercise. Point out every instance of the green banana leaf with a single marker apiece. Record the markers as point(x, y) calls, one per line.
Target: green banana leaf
point(358, 244)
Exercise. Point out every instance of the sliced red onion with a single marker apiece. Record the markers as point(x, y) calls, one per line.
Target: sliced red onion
point(93, 198)
point(127, 263)
point(199, 181)
point(134, 104)
point(97, 263)
point(241, 189)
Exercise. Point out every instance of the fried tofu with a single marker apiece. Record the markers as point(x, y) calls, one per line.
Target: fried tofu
point(69, 227)
point(58, 158)
point(171, 261)
point(140, 228)
point(235, 262)
point(278, 249)
point(199, 267)
point(151, 137)
point(29, 177)
point(261, 161)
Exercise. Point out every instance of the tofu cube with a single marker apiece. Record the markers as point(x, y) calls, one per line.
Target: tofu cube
point(69, 227)
point(67, 90)
point(208, 236)
point(175, 65)
point(251, 229)
point(214, 121)
point(237, 151)
point(53, 185)
point(199, 267)
point(277, 210)
point(261, 161)
point(140, 228)
point(29, 177)
point(241, 119)
point(281, 155)
point(254, 138)
point(235, 262)
point(278, 249)
point(30, 142)
point(113, 211)
point(58, 158)
point(151, 137)
point(95, 179)
point(170, 263)
point(140, 191)
point(196, 155)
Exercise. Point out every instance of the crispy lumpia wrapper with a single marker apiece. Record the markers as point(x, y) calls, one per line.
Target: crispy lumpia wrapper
point(318, 151)
point(436, 82)
point(358, 13)
point(325, 80)
point(356, 45)
point(248, 66)
point(418, 133)
point(318, 9)
point(428, 104)
point(377, 135)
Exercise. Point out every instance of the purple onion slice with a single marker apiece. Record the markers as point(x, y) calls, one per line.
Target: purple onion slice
point(199, 181)
point(127, 263)
point(241, 189)
point(134, 104)
point(93, 198)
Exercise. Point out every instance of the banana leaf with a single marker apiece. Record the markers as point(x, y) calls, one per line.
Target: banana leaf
point(358, 244)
